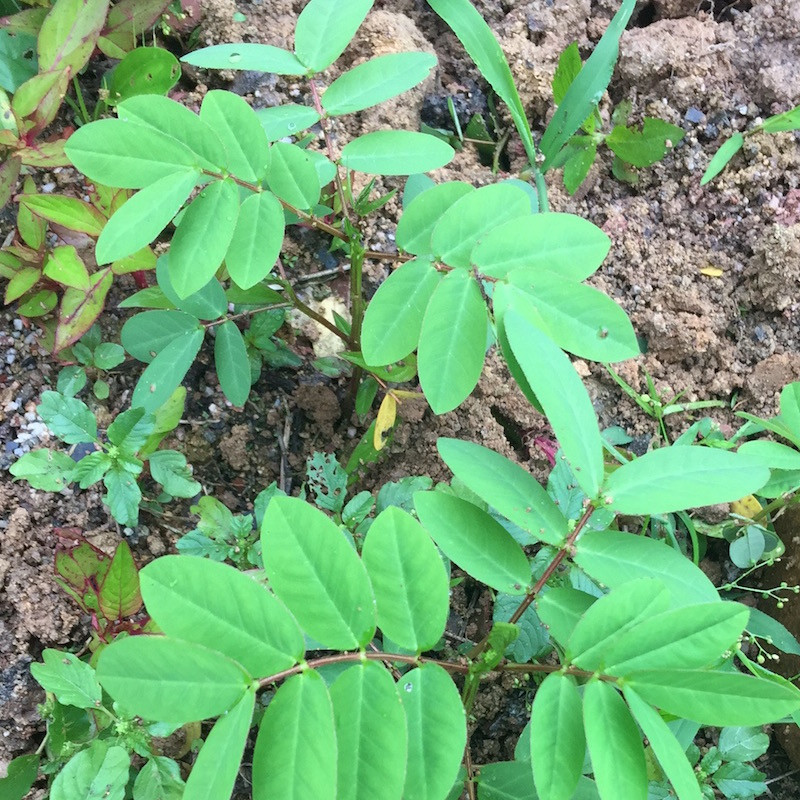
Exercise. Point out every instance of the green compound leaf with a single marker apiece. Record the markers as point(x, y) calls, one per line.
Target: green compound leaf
point(209, 302)
point(615, 745)
point(563, 398)
point(145, 335)
point(507, 487)
point(561, 609)
point(291, 119)
point(126, 154)
point(409, 580)
point(241, 133)
point(98, 773)
point(669, 752)
point(232, 363)
point(721, 158)
point(765, 627)
point(505, 780)
point(715, 698)
point(396, 153)
point(474, 541)
point(250, 57)
point(68, 418)
point(296, 750)
point(644, 148)
point(437, 732)
point(370, 733)
point(123, 495)
point(393, 320)
point(564, 244)
point(215, 605)
point(49, 470)
point(466, 221)
point(257, 239)
point(166, 371)
point(139, 221)
point(376, 80)
point(170, 469)
point(293, 176)
point(616, 557)
point(214, 773)
point(202, 238)
point(423, 212)
point(71, 680)
point(559, 746)
point(159, 779)
point(317, 574)
point(452, 341)
point(168, 680)
point(324, 28)
point(674, 478)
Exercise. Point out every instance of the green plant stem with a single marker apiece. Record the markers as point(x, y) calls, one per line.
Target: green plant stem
point(541, 190)
point(79, 95)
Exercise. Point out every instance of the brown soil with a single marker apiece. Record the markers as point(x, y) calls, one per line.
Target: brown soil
point(713, 72)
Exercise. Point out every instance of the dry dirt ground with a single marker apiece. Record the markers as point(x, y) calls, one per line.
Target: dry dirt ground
point(711, 66)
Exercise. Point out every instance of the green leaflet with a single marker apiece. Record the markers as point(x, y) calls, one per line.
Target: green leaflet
point(208, 302)
point(257, 239)
point(145, 70)
point(615, 557)
point(144, 216)
point(670, 754)
point(461, 226)
point(787, 121)
point(166, 371)
point(72, 681)
point(68, 418)
point(564, 244)
point(790, 409)
point(159, 779)
point(452, 341)
point(507, 487)
point(317, 574)
point(241, 133)
point(721, 158)
point(437, 732)
point(50, 470)
point(214, 772)
point(474, 541)
point(561, 608)
point(771, 454)
point(370, 733)
point(251, 57)
point(202, 238)
point(615, 744)
point(563, 398)
point(22, 771)
point(123, 494)
point(302, 765)
point(286, 120)
point(396, 153)
point(169, 468)
point(168, 680)
point(215, 605)
point(558, 748)
point(100, 771)
point(674, 478)
point(18, 62)
point(324, 28)
point(423, 212)
point(70, 212)
point(146, 334)
point(409, 580)
point(376, 80)
point(506, 780)
point(764, 626)
point(232, 363)
point(293, 176)
point(393, 319)
point(715, 698)
point(644, 148)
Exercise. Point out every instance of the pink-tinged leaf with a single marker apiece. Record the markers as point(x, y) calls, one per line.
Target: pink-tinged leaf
point(80, 569)
point(71, 212)
point(119, 593)
point(24, 280)
point(69, 33)
point(40, 98)
point(44, 154)
point(38, 304)
point(80, 308)
point(139, 261)
point(66, 267)
point(28, 21)
point(9, 173)
point(127, 20)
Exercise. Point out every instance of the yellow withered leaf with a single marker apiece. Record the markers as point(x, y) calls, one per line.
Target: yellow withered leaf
point(746, 507)
point(712, 272)
point(387, 414)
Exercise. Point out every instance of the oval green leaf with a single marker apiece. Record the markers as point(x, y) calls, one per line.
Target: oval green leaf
point(293, 176)
point(286, 120)
point(257, 239)
point(423, 212)
point(396, 153)
point(208, 302)
point(232, 363)
point(324, 28)
point(146, 334)
point(246, 56)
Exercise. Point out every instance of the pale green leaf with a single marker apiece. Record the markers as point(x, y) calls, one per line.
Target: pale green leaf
point(208, 302)
point(324, 28)
point(146, 334)
point(289, 119)
point(257, 239)
point(246, 56)
point(123, 495)
point(98, 773)
point(293, 176)
point(169, 468)
point(396, 153)
point(421, 215)
point(49, 470)
point(68, 418)
point(71, 680)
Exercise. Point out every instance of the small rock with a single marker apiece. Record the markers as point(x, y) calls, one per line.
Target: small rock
point(694, 115)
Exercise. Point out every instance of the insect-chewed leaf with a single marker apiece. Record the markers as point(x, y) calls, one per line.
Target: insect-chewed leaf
point(232, 363)
point(241, 133)
point(286, 120)
point(565, 244)
point(562, 396)
point(475, 541)
point(507, 487)
point(295, 752)
point(467, 220)
point(145, 215)
point(293, 176)
point(169, 680)
point(396, 153)
point(721, 158)
point(715, 698)
point(506, 779)
point(561, 609)
point(376, 80)
point(214, 772)
point(314, 570)
point(420, 217)
point(674, 478)
point(559, 746)
point(324, 28)
point(615, 558)
point(257, 239)
point(215, 605)
point(145, 70)
point(384, 421)
point(394, 316)
point(452, 341)
point(615, 745)
point(250, 57)
point(370, 733)
point(409, 580)
point(669, 752)
point(146, 334)
point(612, 616)
point(99, 770)
point(71, 680)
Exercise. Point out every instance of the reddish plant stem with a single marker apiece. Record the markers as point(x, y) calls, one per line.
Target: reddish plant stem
point(140, 277)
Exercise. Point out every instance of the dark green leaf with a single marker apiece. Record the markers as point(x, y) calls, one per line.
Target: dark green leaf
point(232, 365)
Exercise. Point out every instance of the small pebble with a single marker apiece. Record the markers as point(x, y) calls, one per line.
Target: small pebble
point(694, 115)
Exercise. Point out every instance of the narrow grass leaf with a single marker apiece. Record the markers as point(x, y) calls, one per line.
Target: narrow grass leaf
point(257, 239)
point(232, 363)
point(324, 28)
point(721, 158)
point(246, 56)
point(396, 153)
